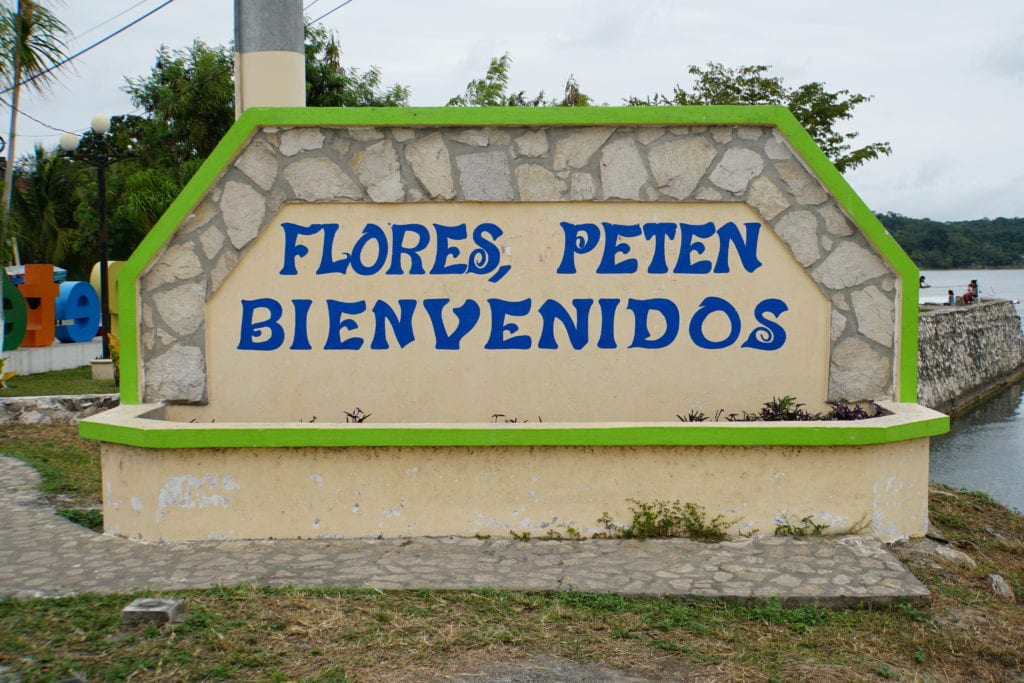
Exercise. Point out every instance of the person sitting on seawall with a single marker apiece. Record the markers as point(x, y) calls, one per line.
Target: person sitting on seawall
point(971, 295)
point(922, 284)
point(951, 301)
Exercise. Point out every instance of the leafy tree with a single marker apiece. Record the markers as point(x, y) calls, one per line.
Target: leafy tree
point(492, 91)
point(188, 104)
point(815, 107)
point(329, 84)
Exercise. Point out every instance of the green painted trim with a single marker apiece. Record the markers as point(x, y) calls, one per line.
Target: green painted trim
point(776, 116)
point(865, 219)
point(152, 435)
point(514, 116)
point(154, 242)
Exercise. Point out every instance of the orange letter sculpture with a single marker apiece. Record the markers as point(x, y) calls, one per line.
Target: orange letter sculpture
point(39, 291)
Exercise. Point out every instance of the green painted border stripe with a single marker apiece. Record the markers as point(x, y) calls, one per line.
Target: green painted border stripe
point(201, 436)
point(864, 218)
point(154, 242)
point(776, 116)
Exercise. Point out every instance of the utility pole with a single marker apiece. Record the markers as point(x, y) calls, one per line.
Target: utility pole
point(270, 57)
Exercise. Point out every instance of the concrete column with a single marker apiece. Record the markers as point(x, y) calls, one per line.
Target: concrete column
point(270, 67)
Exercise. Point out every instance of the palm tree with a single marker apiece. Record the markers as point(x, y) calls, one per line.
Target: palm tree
point(43, 209)
point(32, 43)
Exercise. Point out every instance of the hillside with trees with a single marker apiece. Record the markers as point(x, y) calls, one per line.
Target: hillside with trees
point(981, 243)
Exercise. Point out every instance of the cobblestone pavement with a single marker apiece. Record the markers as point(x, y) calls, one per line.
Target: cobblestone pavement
point(42, 554)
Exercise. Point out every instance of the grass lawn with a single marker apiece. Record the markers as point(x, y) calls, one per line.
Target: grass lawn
point(252, 633)
point(58, 382)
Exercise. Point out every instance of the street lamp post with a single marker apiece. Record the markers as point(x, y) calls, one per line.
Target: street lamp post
point(99, 155)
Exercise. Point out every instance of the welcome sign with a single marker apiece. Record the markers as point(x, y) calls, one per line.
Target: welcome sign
point(593, 272)
point(555, 311)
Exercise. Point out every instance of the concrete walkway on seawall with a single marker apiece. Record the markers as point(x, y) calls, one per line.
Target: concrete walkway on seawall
point(42, 554)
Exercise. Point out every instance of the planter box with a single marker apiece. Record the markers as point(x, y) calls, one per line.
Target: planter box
point(165, 479)
point(102, 368)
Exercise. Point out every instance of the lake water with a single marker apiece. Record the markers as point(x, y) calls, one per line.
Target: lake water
point(984, 450)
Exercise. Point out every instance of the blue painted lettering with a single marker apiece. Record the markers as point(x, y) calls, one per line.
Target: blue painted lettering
point(398, 233)
point(336, 323)
point(467, 316)
point(687, 247)
point(446, 234)
point(745, 248)
point(300, 340)
point(503, 333)
point(659, 232)
point(642, 309)
point(487, 256)
point(710, 305)
point(770, 336)
point(401, 324)
point(577, 330)
point(612, 246)
point(579, 239)
point(249, 339)
point(607, 338)
point(292, 249)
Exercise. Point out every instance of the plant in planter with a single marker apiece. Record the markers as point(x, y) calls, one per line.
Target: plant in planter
point(115, 356)
point(5, 375)
point(787, 408)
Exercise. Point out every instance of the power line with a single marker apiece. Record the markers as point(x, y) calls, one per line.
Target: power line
point(107, 21)
point(138, 110)
point(329, 12)
point(310, 5)
point(29, 116)
point(94, 45)
point(57, 130)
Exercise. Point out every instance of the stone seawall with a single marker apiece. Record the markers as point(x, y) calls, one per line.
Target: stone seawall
point(967, 352)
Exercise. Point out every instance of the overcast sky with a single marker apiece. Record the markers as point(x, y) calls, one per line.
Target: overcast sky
point(947, 76)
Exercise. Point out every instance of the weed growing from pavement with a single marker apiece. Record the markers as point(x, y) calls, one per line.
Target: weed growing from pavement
point(661, 519)
point(805, 527)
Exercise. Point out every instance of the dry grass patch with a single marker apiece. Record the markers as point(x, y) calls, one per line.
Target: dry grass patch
point(249, 633)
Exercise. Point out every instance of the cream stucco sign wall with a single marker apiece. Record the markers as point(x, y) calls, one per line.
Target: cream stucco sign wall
point(569, 311)
point(596, 272)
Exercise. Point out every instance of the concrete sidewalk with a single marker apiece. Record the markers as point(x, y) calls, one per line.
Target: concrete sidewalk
point(42, 554)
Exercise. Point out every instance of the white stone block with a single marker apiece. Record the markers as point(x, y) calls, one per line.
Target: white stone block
point(678, 165)
point(485, 176)
point(300, 140)
point(378, 170)
point(799, 230)
point(736, 169)
point(319, 180)
point(537, 184)
point(259, 162)
point(577, 149)
point(622, 170)
point(432, 165)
